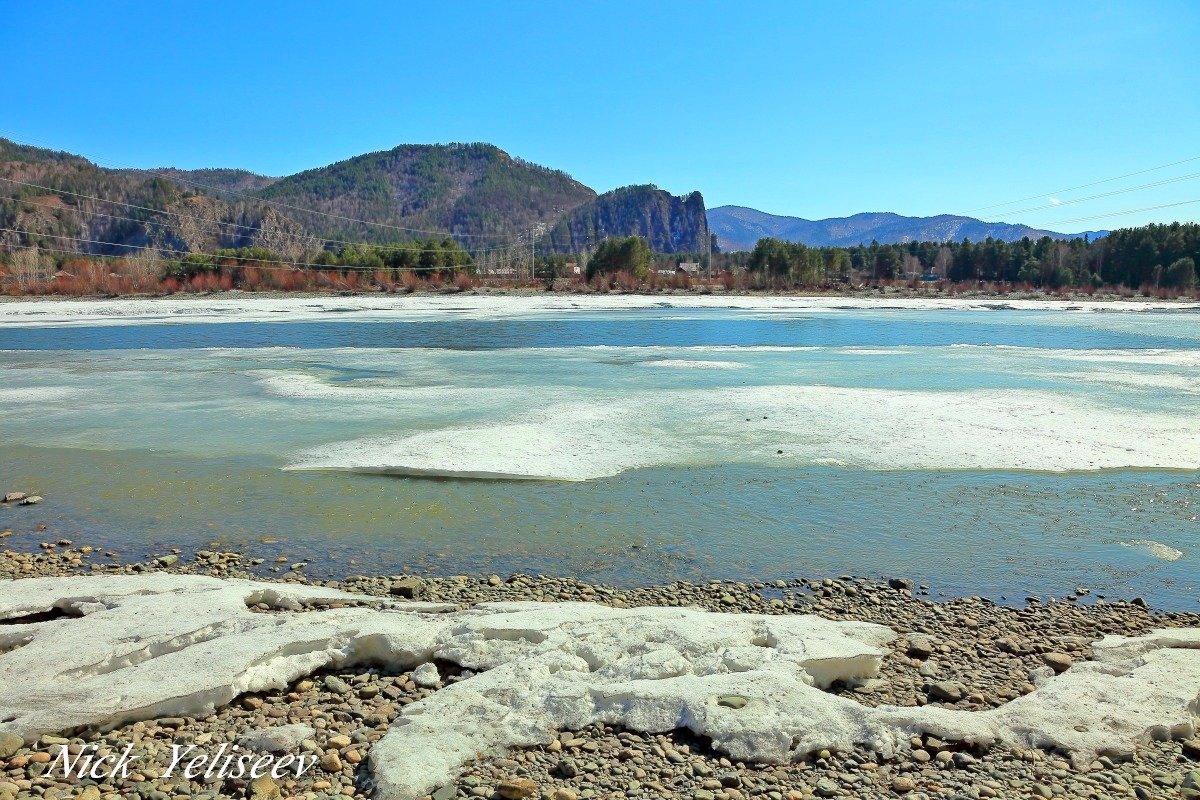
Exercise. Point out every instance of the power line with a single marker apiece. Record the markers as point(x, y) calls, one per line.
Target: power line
point(1113, 193)
point(202, 220)
point(254, 265)
point(1122, 213)
point(1083, 185)
point(254, 262)
point(255, 198)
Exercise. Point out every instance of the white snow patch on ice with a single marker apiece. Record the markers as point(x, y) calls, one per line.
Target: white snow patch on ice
point(570, 445)
point(1155, 357)
point(1187, 384)
point(303, 386)
point(687, 363)
point(38, 394)
point(861, 428)
point(873, 351)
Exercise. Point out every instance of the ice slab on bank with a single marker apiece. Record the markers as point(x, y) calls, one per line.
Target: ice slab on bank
point(133, 647)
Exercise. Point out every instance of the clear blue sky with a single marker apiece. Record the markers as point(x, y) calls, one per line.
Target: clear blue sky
point(800, 108)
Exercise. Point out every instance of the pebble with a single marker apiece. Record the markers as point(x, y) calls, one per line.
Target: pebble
point(10, 744)
point(279, 739)
point(408, 587)
point(827, 788)
point(950, 691)
point(336, 684)
point(1059, 662)
point(516, 788)
point(264, 788)
point(920, 647)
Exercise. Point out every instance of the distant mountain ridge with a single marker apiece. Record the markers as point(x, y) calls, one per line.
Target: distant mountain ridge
point(739, 228)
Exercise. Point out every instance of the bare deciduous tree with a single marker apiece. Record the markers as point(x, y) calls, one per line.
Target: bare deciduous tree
point(942, 262)
point(144, 267)
point(30, 268)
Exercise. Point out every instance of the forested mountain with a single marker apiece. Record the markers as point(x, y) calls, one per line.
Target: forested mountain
point(467, 190)
point(739, 228)
point(669, 224)
point(475, 192)
point(49, 193)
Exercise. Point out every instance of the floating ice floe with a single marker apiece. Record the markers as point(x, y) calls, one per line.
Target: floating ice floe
point(123, 648)
point(1156, 549)
point(37, 394)
point(863, 428)
point(692, 363)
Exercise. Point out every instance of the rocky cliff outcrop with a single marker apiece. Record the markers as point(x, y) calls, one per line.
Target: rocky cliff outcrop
point(670, 224)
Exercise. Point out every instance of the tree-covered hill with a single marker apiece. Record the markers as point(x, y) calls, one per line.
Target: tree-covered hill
point(60, 199)
point(467, 190)
point(477, 193)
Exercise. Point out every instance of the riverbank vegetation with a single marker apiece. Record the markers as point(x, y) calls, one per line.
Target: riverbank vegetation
point(1154, 260)
point(432, 264)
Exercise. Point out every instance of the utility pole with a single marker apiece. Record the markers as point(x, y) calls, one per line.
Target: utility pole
point(535, 232)
point(708, 249)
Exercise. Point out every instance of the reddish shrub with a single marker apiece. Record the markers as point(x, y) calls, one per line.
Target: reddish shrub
point(252, 279)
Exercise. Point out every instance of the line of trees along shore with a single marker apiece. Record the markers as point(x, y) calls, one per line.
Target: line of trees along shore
point(1150, 256)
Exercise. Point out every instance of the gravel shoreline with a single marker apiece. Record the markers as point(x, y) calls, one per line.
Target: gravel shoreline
point(966, 653)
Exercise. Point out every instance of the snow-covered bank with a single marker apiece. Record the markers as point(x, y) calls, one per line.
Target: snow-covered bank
point(138, 647)
point(273, 308)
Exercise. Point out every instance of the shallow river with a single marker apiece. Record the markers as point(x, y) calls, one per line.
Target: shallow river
point(981, 449)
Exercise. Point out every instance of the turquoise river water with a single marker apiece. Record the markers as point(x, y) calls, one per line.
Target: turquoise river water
point(980, 449)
